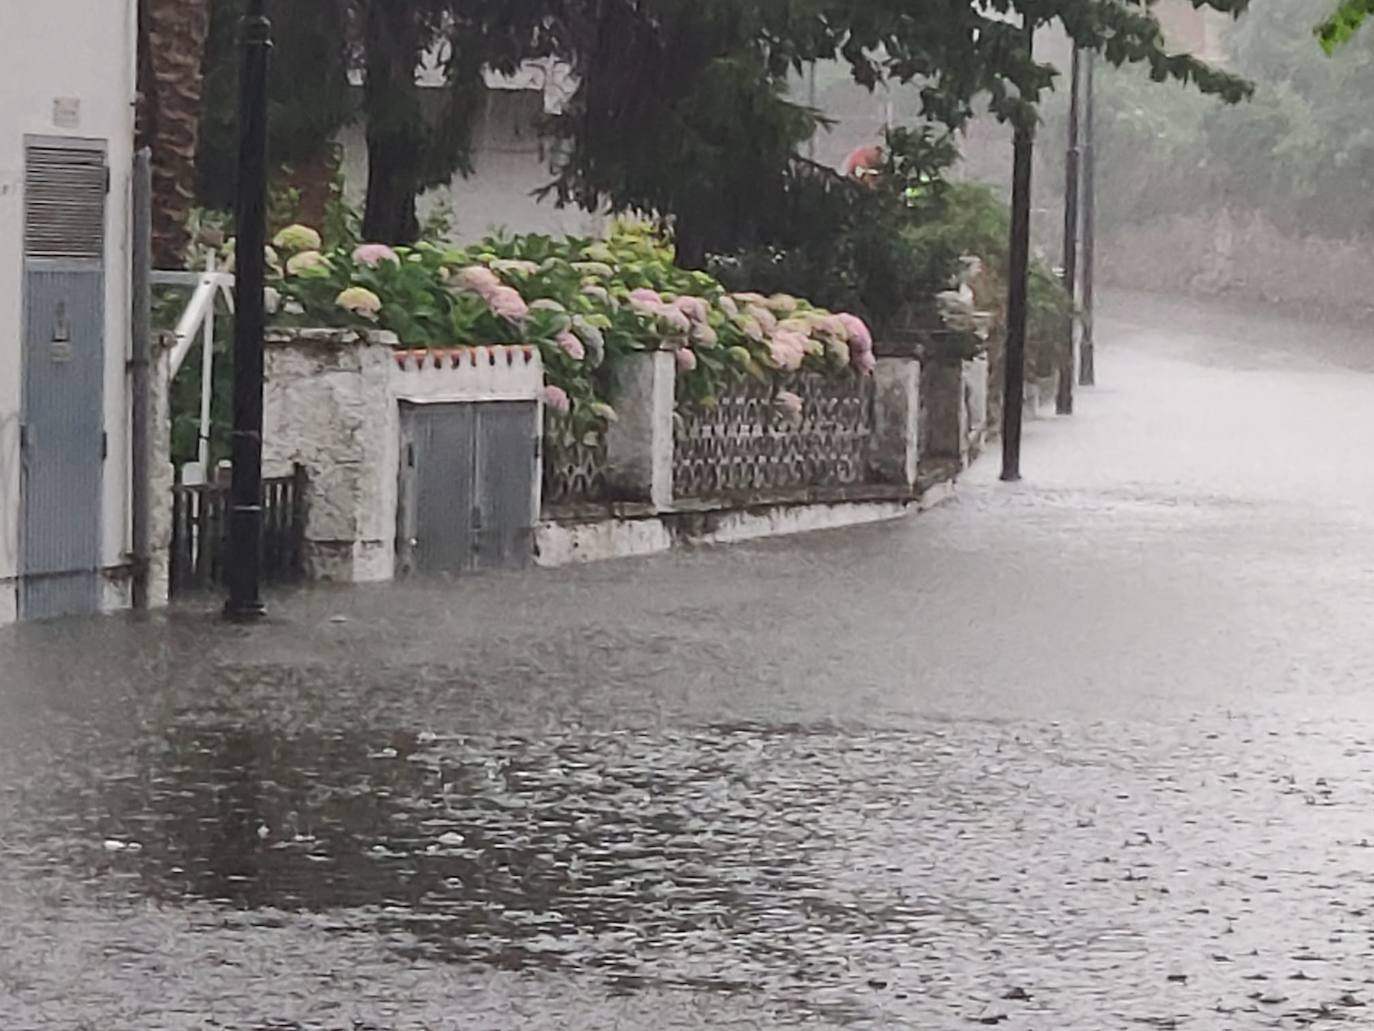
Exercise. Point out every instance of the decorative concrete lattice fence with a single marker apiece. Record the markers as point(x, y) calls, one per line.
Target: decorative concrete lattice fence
point(574, 475)
point(852, 433)
point(747, 443)
point(666, 471)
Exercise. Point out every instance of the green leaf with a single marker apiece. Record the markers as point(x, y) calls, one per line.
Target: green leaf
point(1343, 23)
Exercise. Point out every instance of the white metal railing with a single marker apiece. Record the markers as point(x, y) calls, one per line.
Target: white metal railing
point(198, 319)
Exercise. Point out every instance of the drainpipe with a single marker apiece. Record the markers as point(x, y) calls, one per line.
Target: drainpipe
point(140, 364)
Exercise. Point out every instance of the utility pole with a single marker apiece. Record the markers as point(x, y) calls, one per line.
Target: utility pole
point(1087, 375)
point(1014, 396)
point(244, 568)
point(1063, 402)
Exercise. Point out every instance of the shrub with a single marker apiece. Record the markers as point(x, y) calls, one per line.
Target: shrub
point(585, 304)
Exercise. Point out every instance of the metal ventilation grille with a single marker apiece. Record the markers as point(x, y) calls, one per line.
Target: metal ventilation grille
point(64, 203)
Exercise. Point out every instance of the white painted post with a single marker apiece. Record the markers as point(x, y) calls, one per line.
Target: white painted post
point(896, 411)
point(639, 446)
point(207, 373)
point(162, 474)
point(976, 395)
point(943, 418)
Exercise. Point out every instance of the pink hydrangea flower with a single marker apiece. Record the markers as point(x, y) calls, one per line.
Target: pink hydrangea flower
point(694, 308)
point(787, 350)
point(571, 346)
point(373, 254)
point(675, 319)
point(686, 359)
point(835, 326)
point(646, 300)
point(765, 318)
point(752, 328)
point(506, 303)
point(727, 304)
point(864, 362)
point(857, 331)
point(705, 336)
point(790, 403)
point(782, 304)
point(477, 279)
point(556, 399)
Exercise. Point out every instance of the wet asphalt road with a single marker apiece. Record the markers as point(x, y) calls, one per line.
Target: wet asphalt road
point(1093, 751)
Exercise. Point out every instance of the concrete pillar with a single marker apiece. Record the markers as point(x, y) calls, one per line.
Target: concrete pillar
point(161, 475)
point(639, 446)
point(897, 420)
point(328, 407)
point(944, 429)
point(976, 404)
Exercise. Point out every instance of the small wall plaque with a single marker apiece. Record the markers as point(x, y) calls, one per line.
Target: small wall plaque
point(66, 112)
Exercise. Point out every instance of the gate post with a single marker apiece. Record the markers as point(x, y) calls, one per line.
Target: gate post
point(639, 445)
point(896, 418)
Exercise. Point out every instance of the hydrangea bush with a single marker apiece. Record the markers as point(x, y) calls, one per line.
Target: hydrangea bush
point(586, 304)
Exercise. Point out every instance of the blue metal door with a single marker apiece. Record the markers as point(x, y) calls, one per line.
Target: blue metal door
point(467, 487)
point(503, 534)
point(436, 489)
point(63, 434)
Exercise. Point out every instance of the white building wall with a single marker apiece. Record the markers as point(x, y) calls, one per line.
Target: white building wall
point(67, 50)
point(511, 161)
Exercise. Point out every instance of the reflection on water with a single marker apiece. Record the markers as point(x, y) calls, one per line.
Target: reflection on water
point(845, 874)
point(1091, 752)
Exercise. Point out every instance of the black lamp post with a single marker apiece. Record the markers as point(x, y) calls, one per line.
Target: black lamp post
point(1064, 398)
point(244, 567)
point(1014, 395)
point(1087, 373)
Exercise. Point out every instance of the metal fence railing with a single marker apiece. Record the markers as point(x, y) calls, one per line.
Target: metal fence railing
point(200, 533)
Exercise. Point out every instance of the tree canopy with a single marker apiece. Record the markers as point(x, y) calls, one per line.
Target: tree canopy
point(1343, 23)
point(1300, 153)
point(681, 106)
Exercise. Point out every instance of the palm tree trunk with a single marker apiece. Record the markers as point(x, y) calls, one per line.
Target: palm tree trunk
point(395, 125)
point(171, 45)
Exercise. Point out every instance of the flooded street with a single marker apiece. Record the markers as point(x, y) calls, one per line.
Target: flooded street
point(1091, 751)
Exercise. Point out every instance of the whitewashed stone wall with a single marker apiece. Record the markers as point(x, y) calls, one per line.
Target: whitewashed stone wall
point(943, 415)
point(975, 407)
point(162, 475)
point(332, 404)
point(898, 420)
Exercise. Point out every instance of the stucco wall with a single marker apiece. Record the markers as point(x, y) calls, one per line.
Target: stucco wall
point(85, 52)
point(1244, 257)
point(510, 162)
point(331, 404)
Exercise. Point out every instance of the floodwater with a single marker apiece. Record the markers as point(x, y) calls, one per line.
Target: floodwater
point(1091, 751)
